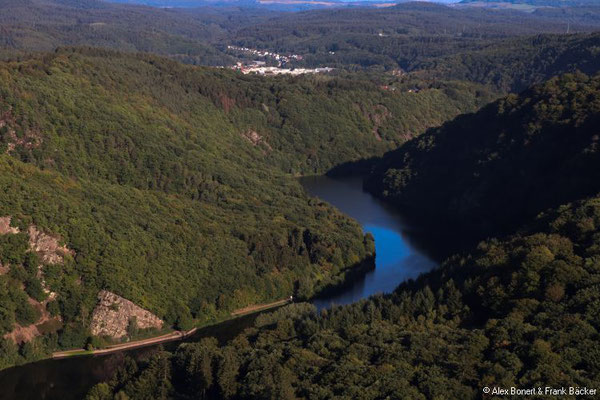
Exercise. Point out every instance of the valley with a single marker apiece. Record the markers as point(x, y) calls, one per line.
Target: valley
point(400, 256)
point(213, 170)
point(246, 200)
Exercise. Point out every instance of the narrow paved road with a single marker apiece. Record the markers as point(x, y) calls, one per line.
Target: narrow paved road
point(169, 337)
point(177, 335)
point(260, 307)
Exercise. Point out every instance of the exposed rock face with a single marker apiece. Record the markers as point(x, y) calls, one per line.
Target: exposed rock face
point(255, 138)
point(50, 252)
point(378, 116)
point(5, 227)
point(30, 139)
point(4, 269)
point(112, 315)
point(46, 246)
point(227, 102)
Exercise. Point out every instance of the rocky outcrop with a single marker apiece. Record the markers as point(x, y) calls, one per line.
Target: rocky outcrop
point(378, 115)
point(4, 269)
point(256, 139)
point(29, 138)
point(5, 227)
point(47, 247)
point(113, 314)
point(50, 252)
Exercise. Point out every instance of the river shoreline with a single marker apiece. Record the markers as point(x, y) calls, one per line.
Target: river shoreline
point(398, 258)
point(165, 338)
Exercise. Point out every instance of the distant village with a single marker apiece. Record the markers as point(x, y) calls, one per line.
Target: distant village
point(261, 67)
point(267, 54)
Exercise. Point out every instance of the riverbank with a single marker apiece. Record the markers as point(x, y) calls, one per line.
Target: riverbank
point(165, 338)
point(71, 377)
point(169, 337)
point(261, 307)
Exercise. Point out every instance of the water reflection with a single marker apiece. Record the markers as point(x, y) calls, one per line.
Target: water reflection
point(72, 378)
point(400, 255)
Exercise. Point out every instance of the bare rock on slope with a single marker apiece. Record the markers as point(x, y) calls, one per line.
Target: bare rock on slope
point(28, 138)
point(46, 246)
point(113, 314)
point(4, 269)
point(256, 139)
point(5, 227)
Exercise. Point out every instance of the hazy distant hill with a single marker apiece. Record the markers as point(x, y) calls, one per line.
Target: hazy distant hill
point(400, 36)
point(549, 3)
point(466, 43)
point(290, 5)
point(46, 24)
point(516, 63)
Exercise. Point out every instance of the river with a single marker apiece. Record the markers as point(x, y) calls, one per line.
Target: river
point(401, 254)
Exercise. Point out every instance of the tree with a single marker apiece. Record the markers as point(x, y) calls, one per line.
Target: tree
point(101, 391)
point(132, 327)
point(227, 373)
point(198, 363)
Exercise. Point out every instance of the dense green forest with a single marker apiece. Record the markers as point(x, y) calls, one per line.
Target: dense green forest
point(410, 36)
point(532, 151)
point(423, 36)
point(513, 65)
point(521, 310)
point(174, 187)
point(188, 261)
point(102, 100)
point(36, 25)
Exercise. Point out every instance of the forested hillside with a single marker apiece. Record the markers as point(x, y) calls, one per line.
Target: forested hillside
point(417, 36)
point(532, 151)
point(409, 36)
point(541, 3)
point(298, 124)
point(520, 311)
point(513, 65)
point(173, 186)
point(37, 25)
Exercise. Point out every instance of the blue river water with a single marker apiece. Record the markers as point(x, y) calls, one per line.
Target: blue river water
point(398, 257)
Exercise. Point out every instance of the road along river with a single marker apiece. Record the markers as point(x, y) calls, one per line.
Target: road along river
point(401, 255)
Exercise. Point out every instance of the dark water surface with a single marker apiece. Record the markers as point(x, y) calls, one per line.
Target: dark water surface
point(72, 378)
point(401, 255)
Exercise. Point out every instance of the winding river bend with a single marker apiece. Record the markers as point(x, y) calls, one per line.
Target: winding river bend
point(401, 254)
point(398, 255)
